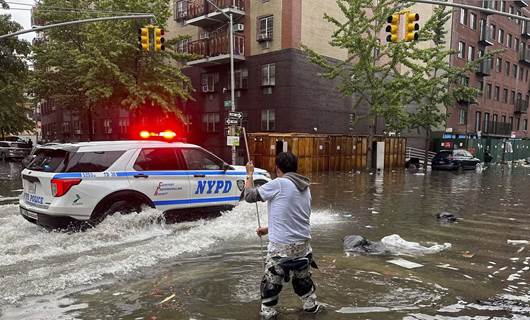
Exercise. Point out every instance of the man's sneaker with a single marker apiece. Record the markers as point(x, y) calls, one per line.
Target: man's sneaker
point(315, 309)
point(268, 313)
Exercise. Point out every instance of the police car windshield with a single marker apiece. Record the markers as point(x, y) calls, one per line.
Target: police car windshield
point(58, 160)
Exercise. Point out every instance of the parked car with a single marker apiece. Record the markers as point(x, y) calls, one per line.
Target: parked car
point(454, 159)
point(11, 150)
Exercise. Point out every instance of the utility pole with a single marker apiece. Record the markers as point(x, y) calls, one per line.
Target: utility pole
point(232, 78)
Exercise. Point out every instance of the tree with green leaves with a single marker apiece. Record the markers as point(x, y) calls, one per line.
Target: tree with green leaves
point(13, 78)
point(437, 84)
point(370, 74)
point(90, 66)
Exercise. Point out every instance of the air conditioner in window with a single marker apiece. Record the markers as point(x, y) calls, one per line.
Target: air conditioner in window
point(206, 88)
point(263, 37)
point(204, 35)
point(182, 14)
point(239, 27)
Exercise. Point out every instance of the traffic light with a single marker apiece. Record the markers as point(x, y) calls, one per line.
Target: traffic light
point(411, 27)
point(393, 27)
point(143, 39)
point(159, 39)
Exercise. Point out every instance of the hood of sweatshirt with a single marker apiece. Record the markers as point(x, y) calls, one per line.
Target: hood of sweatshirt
point(301, 182)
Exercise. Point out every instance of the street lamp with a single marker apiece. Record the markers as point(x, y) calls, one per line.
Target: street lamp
point(232, 80)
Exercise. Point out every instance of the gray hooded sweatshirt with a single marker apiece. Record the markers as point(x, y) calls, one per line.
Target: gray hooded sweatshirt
point(289, 207)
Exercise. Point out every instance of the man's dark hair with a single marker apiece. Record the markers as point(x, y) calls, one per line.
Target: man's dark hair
point(287, 162)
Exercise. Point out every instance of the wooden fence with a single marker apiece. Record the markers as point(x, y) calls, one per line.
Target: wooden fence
point(320, 153)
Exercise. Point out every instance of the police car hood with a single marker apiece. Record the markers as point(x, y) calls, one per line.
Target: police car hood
point(243, 168)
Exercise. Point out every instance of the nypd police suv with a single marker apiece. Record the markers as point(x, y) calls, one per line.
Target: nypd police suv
point(84, 182)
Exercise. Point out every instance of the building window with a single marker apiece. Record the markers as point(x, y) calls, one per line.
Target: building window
point(494, 124)
point(481, 87)
point(473, 21)
point(463, 16)
point(477, 121)
point(518, 21)
point(210, 121)
point(526, 76)
point(241, 79)
point(470, 53)
point(268, 75)
point(510, 11)
point(505, 95)
point(525, 124)
point(462, 116)
point(521, 73)
point(500, 39)
point(181, 10)
point(507, 68)
point(510, 40)
point(209, 81)
point(265, 28)
point(182, 45)
point(514, 71)
point(503, 6)
point(497, 93)
point(516, 47)
point(124, 125)
point(66, 127)
point(464, 81)
point(268, 120)
point(518, 124)
point(511, 123)
point(461, 49)
point(107, 125)
point(488, 91)
point(512, 98)
point(493, 33)
point(503, 119)
point(486, 121)
point(498, 65)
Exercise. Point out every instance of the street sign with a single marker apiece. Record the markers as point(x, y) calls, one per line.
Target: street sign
point(228, 103)
point(230, 122)
point(232, 141)
point(235, 115)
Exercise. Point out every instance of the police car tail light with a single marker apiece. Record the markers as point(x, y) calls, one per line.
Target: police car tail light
point(61, 186)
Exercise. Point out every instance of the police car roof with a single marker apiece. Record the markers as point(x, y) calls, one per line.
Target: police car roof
point(120, 144)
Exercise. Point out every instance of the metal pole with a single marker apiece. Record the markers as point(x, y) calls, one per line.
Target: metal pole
point(35, 29)
point(232, 83)
point(465, 6)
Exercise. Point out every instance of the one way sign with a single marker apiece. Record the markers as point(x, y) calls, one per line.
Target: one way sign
point(235, 115)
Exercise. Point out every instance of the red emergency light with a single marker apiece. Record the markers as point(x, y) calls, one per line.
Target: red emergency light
point(166, 134)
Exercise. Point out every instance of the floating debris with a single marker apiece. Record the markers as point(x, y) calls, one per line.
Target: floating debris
point(405, 263)
point(167, 299)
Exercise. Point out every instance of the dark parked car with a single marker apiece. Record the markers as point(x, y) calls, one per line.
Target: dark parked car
point(454, 159)
point(10, 150)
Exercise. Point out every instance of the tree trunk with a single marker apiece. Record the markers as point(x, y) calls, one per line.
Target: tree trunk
point(369, 149)
point(90, 126)
point(427, 147)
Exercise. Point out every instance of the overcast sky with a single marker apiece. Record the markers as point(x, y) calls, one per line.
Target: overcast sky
point(23, 17)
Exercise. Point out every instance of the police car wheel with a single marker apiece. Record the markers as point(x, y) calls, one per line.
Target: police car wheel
point(121, 206)
point(258, 183)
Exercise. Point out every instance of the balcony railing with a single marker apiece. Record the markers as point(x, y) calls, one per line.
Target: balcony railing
point(199, 12)
point(524, 54)
point(521, 106)
point(484, 68)
point(495, 127)
point(486, 34)
point(216, 49)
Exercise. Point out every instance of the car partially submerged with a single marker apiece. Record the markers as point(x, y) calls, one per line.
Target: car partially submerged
point(68, 184)
point(454, 160)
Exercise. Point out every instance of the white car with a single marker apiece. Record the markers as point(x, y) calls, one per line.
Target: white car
point(66, 184)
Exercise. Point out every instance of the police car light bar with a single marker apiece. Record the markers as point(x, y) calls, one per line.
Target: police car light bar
point(167, 134)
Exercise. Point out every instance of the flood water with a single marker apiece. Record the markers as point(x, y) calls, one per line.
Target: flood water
point(128, 266)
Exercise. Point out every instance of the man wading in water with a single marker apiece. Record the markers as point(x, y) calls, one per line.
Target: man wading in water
point(289, 252)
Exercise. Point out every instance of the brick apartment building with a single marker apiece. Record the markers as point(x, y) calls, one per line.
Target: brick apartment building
point(501, 109)
point(277, 88)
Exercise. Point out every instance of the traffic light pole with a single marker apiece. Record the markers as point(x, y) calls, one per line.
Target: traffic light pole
point(465, 6)
point(232, 78)
point(68, 23)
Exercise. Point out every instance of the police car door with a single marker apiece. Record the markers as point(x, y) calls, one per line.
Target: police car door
point(160, 174)
point(209, 183)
